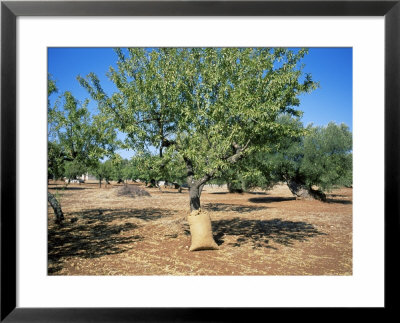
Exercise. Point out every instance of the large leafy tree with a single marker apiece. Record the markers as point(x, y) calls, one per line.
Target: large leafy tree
point(315, 162)
point(209, 106)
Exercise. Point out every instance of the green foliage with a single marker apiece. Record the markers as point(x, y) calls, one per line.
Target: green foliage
point(73, 169)
point(202, 107)
point(264, 166)
point(327, 157)
point(55, 156)
point(120, 168)
point(323, 157)
point(147, 167)
point(254, 171)
point(102, 170)
point(173, 168)
point(76, 136)
point(51, 86)
point(83, 137)
point(319, 156)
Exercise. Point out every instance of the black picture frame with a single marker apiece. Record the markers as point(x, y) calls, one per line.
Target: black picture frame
point(10, 10)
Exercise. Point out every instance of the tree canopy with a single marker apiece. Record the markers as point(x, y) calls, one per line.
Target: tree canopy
point(77, 139)
point(322, 158)
point(207, 106)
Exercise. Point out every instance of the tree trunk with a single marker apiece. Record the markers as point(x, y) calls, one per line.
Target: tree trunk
point(302, 191)
point(100, 183)
point(56, 207)
point(194, 195)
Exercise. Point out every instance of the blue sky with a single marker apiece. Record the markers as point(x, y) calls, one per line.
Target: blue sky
point(331, 67)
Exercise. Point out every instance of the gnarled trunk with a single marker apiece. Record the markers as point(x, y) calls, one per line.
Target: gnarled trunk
point(56, 207)
point(305, 192)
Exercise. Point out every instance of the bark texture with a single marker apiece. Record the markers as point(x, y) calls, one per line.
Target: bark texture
point(56, 207)
point(302, 191)
point(194, 196)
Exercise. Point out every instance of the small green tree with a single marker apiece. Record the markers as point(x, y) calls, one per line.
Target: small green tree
point(128, 173)
point(107, 170)
point(139, 169)
point(118, 165)
point(102, 170)
point(73, 169)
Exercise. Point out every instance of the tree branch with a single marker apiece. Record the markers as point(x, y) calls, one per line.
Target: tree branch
point(232, 159)
point(190, 170)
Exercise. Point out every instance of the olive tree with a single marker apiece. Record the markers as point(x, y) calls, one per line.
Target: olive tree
point(315, 162)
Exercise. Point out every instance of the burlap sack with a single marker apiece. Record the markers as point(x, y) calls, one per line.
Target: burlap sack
point(201, 232)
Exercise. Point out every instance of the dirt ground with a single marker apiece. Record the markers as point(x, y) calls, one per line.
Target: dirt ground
point(258, 233)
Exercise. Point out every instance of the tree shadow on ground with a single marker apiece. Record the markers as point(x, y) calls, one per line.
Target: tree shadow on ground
point(329, 200)
point(70, 188)
point(170, 192)
point(91, 234)
point(253, 193)
point(232, 207)
point(217, 193)
point(271, 199)
point(260, 233)
point(258, 193)
point(336, 195)
point(109, 215)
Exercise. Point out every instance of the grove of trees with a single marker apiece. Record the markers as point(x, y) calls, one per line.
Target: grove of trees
point(200, 115)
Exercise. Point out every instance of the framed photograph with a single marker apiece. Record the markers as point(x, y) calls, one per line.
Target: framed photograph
point(102, 233)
